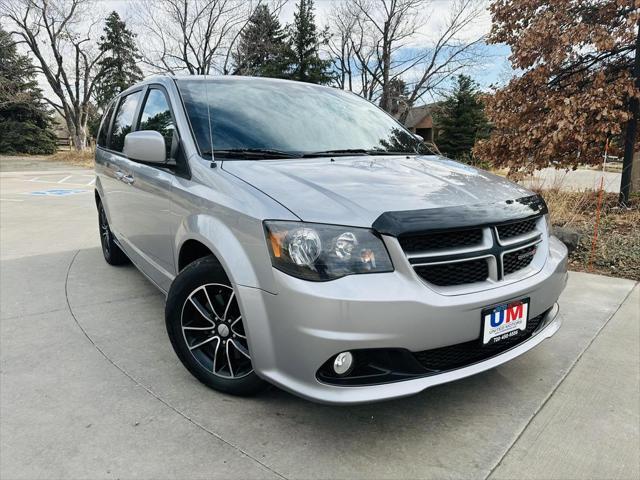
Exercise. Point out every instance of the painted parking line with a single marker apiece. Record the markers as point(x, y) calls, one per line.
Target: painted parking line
point(10, 200)
point(70, 180)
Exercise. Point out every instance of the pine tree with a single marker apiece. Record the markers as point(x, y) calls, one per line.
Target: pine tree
point(460, 120)
point(305, 42)
point(118, 68)
point(25, 121)
point(263, 49)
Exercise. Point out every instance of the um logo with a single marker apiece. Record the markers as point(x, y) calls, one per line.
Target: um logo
point(512, 312)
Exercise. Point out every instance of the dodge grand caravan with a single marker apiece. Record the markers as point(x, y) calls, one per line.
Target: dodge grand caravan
point(305, 238)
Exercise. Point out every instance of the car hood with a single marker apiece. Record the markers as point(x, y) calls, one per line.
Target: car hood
point(357, 190)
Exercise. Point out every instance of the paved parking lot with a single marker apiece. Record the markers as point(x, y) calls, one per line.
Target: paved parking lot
point(90, 387)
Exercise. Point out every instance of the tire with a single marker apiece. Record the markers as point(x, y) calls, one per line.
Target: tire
point(205, 327)
point(113, 254)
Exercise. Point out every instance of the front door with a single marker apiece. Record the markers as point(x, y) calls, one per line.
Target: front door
point(112, 165)
point(150, 226)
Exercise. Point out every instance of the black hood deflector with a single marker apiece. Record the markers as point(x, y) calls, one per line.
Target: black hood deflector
point(459, 217)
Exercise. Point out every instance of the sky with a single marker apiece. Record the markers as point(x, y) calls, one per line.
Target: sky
point(494, 70)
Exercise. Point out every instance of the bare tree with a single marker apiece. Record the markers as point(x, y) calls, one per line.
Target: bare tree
point(377, 43)
point(340, 45)
point(59, 35)
point(193, 36)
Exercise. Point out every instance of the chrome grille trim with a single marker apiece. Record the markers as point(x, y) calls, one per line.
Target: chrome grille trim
point(534, 235)
point(456, 260)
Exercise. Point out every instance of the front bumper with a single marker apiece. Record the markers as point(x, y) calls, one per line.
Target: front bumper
point(292, 334)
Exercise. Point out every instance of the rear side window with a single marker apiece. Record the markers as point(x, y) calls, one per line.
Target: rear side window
point(123, 121)
point(156, 115)
point(104, 126)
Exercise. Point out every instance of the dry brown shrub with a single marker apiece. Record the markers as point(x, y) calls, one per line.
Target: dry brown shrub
point(83, 158)
point(617, 250)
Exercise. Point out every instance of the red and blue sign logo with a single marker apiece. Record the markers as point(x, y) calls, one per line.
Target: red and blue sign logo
point(509, 313)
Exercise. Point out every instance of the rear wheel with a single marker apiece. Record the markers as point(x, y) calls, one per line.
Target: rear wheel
point(113, 254)
point(206, 329)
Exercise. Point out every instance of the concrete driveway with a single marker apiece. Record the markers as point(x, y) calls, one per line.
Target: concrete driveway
point(90, 387)
point(577, 180)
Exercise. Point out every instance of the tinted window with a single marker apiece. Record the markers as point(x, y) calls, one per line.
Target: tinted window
point(123, 121)
point(104, 126)
point(156, 115)
point(287, 116)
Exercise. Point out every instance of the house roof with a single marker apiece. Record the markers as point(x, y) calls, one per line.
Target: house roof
point(417, 114)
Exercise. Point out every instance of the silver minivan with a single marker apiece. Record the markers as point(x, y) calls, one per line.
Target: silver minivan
point(304, 238)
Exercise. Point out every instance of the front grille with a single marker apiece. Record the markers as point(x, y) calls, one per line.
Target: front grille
point(438, 260)
point(440, 241)
point(514, 261)
point(516, 229)
point(468, 353)
point(458, 273)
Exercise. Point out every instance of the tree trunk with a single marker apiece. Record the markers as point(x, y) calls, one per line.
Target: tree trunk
point(385, 100)
point(632, 132)
point(80, 142)
point(79, 138)
point(635, 173)
point(386, 67)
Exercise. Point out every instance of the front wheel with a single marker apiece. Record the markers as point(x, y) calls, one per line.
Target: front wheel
point(206, 329)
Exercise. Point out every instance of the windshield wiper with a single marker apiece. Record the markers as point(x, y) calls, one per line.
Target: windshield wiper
point(353, 151)
point(390, 152)
point(331, 153)
point(251, 153)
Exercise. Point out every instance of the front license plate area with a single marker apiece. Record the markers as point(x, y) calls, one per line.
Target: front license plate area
point(504, 321)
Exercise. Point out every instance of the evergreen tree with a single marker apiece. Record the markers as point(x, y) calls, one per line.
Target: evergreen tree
point(118, 68)
point(25, 121)
point(263, 49)
point(305, 42)
point(460, 120)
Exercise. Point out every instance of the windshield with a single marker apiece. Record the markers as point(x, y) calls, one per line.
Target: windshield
point(277, 119)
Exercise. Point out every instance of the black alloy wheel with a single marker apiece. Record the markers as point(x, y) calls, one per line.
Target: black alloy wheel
point(206, 329)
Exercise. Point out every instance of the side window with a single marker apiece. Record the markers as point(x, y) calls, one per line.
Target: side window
point(123, 121)
point(156, 115)
point(104, 126)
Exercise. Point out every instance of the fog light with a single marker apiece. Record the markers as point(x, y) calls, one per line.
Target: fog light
point(343, 362)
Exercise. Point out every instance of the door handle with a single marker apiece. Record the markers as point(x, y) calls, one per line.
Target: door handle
point(123, 177)
point(128, 179)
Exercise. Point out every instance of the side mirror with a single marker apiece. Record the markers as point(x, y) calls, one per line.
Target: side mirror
point(420, 138)
point(145, 146)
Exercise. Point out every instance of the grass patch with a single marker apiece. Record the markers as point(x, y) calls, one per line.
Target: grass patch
point(84, 158)
point(617, 251)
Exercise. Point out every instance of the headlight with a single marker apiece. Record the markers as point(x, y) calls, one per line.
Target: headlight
point(319, 253)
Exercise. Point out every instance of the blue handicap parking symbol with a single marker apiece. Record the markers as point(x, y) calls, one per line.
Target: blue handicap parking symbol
point(58, 192)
